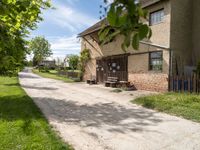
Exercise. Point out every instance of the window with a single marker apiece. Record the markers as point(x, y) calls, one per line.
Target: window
point(156, 17)
point(155, 61)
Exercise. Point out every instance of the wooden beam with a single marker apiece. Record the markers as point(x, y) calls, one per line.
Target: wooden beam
point(92, 45)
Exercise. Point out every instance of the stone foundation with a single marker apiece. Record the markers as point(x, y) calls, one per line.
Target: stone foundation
point(149, 81)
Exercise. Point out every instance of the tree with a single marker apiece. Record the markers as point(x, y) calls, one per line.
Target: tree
point(73, 61)
point(17, 18)
point(125, 17)
point(41, 49)
point(84, 58)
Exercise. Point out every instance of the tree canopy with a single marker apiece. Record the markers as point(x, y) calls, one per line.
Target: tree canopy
point(17, 18)
point(73, 61)
point(40, 48)
point(125, 17)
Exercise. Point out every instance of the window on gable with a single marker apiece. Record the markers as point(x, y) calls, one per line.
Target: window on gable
point(155, 61)
point(156, 17)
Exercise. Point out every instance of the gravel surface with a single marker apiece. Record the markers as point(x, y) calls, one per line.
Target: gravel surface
point(94, 118)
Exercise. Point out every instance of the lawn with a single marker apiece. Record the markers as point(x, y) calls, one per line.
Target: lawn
point(182, 105)
point(52, 74)
point(22, 125)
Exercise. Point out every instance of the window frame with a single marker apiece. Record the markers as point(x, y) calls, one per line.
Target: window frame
point(150, 16)
point(157, 58)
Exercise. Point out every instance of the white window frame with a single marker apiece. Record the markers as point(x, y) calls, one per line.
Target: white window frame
point(156, 17)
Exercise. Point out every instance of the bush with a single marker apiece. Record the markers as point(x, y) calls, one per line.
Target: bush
point(43, 69)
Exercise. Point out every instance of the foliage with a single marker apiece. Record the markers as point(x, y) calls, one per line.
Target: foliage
point(22, 124)
point(28, 63)
point(84, 58)
point(17, 18)
point(73, 61)
point(184, 105)
point(41, 49)
point(125, 17)
point(43, 69)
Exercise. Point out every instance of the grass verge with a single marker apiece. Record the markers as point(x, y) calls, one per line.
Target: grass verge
point(182, 105)
point(22, 125)
point(53, 75)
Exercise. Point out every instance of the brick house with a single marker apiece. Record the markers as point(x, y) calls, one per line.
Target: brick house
point(172, 48)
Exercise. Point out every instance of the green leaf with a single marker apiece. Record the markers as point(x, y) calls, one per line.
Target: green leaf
point(150, 33)
point(122, 20)
point(112, 16)
point(143, 31)
point(127, 40)
point(123, 47)
point(125, 16)
point(135, 41)
point(141, 12)
point(103, 33)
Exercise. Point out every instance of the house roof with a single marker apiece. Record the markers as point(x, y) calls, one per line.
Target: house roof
point(96, 27)
point(146, 3)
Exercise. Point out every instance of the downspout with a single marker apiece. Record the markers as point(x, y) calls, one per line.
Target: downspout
point(170, 69)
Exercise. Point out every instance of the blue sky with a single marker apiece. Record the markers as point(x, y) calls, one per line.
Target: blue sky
point(61, 25)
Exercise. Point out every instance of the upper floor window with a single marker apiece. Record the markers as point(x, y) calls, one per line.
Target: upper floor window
point(155, 61)
point(156, 17)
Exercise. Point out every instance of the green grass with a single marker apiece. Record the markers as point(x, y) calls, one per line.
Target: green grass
point(182, 105)
point(52, 74)
point(22, 125)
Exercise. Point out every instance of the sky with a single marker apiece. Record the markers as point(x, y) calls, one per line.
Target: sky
point(62, 24)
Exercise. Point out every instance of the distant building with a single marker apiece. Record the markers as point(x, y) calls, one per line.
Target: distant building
point(48, 63)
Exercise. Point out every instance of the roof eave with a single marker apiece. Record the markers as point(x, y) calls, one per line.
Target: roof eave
point(149, 3)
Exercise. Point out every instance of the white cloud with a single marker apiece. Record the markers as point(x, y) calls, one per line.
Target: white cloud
point(62, 46)
point(72, 2)
point(68, 17)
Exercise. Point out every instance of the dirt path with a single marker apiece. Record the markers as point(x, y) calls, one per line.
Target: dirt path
point(93, 118)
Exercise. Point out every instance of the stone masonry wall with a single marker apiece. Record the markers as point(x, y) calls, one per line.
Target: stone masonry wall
point(149, 81)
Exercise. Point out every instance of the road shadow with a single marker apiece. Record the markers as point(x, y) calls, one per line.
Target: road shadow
point(38, 88)
point(27, 75)
point(119, 118)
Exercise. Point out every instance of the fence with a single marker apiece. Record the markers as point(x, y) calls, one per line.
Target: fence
point(186, 84)
point(69, 74)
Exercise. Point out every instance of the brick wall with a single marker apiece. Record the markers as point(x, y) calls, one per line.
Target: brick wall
point(149, 81)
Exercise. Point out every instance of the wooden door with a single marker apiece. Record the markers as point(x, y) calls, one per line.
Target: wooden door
point(113, 66)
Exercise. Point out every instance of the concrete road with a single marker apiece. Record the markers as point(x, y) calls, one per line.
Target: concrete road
point(94, 118)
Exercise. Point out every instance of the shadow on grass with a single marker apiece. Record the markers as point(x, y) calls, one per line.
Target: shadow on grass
point(14, 84)
point(18, 107)
point(118, 118)
point(22, 124)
